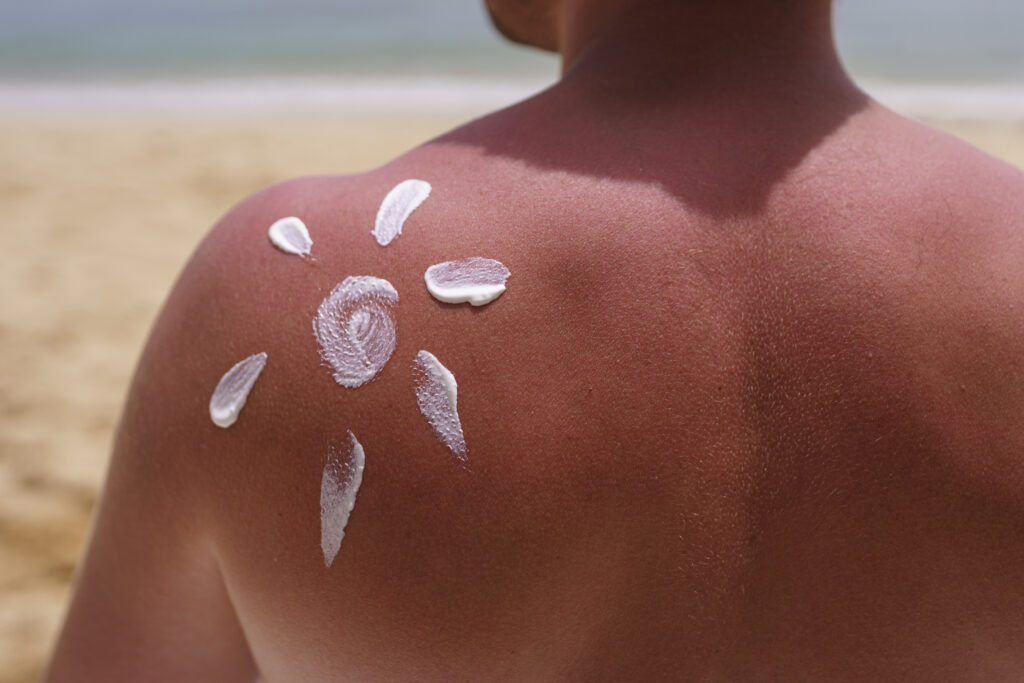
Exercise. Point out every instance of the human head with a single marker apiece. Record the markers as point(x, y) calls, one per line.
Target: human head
point(529, 22)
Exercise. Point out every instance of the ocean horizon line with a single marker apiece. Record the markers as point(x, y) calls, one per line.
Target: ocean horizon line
point(418, 95)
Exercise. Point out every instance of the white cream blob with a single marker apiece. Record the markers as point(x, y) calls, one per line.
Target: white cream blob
point(399, 203)
point(355, 328)
point(437, 397)
point(233, 389)
point(290, 236)
point(338, 488)
point(476, 280)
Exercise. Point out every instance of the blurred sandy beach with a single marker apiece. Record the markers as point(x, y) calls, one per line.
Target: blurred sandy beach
point(100, 214)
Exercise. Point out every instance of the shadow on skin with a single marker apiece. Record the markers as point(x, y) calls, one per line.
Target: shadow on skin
point(733, 151)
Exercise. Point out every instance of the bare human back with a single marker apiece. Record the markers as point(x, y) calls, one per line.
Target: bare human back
point(747, 405)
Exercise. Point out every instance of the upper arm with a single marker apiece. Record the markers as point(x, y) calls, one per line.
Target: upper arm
point(150, 600)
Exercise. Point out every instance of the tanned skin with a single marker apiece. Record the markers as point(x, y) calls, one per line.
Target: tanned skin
point(752, 407)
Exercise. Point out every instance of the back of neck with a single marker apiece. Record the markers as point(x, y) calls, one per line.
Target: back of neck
point(689, 46)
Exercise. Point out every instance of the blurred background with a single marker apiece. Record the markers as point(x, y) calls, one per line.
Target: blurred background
point(128, 126)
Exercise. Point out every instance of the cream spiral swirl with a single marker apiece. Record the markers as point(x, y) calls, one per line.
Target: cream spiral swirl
point(355, 328)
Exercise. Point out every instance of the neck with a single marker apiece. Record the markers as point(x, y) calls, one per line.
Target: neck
point(688, 45)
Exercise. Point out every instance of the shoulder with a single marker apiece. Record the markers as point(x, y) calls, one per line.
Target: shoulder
point(421, 518)
point(958, 215)
point(902, 195)
point(240, 295)
point(919, 238)
point(965, 211)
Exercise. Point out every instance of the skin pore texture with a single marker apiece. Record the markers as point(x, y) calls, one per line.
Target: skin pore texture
point(750, 412)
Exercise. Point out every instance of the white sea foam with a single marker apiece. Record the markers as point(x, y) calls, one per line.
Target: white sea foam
point(440, 95)
point(976, 102)
point(424, 96)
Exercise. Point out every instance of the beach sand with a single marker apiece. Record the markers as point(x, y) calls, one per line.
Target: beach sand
point(100, 215)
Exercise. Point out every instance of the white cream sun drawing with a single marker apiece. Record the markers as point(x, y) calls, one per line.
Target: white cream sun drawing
point(354, 329)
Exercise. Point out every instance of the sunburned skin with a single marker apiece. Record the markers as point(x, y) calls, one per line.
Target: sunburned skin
point(476, 280)
point(752, 413)
point(233, 389)
point(338, 488)
point(437, 397)
point(291, 236)
point(355, 329)
point(396, 208)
